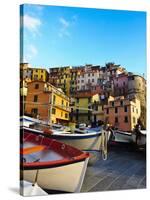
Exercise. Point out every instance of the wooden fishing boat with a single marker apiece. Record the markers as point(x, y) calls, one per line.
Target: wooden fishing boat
point(90, 140)
point(121, 136)
point(51, 164)
point(141, 141)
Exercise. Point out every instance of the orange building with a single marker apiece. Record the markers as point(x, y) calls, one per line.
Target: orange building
point(47, 102)
point(122, 113)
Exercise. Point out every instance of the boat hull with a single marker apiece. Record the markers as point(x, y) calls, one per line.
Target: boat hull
point(81, 142)
point(122, 137)
point(68, 178)
point(141, 141)
point(86, 141)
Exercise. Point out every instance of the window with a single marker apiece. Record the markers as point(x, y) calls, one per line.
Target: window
point(125, 109)
point(62, 102)
point(66, 115)
point(116, 119)
point(66, 104)
point(83, 87)
point(77, 100)
point(137, 111)
point(82, 81)
point(54, 99)
point(93, 80)
point(126, 119)
point(93, 74)
point(123, 83)
point(36, 86)
point(134, 120)
point(133, 109)
point(96, 107)
point(107, 111)
point(116, 110)
point(53, 111)
point(88, 80)
point(77, 114)
point(121, 103)
point(120, 91)
point(89, 75)
point(89, 100)
point(35, 77)
point(41, 76)
point(35, 98)
point(112, 103)
point(78, 81)
point(34, 111)
point(61, 114)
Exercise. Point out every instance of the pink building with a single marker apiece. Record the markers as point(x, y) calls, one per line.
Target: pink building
point(121, 84)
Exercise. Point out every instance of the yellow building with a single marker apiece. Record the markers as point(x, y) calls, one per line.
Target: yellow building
point(83, 107)
point(47, 102)
point(39, 74)
point(64, 78)
point(60, 106)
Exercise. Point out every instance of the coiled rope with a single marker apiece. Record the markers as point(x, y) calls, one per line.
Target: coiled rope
point(104, 141)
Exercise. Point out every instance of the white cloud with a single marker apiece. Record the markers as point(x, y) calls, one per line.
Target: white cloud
point(64, 28)
point(64, 22)
point(32, 24)
point(31, 52)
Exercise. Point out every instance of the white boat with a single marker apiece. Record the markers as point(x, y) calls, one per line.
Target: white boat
point(121, 136)
point(87, 141)
point(27, 121)
point(141, 140)
point(51, 164)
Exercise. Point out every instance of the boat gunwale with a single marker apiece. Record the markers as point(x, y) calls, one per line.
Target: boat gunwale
point(66, 135)
point(56, 163)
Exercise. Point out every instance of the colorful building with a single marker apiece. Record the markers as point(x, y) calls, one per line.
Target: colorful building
point(87, 78)
point(23, 95)
point(25, 72)
point(121, 84)
point(122, 113)
point(40, 74)
point(82, 109)
point(61, 78)
point(47, 102)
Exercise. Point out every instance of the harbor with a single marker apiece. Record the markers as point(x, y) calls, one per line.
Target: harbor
point(94, 159)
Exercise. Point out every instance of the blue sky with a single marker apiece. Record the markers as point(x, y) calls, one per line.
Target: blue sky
point(61, 36)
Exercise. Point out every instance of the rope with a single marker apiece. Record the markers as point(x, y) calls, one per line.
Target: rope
point(104, 140)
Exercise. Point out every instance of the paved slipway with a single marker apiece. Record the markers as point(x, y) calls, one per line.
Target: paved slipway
point(125, 168)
